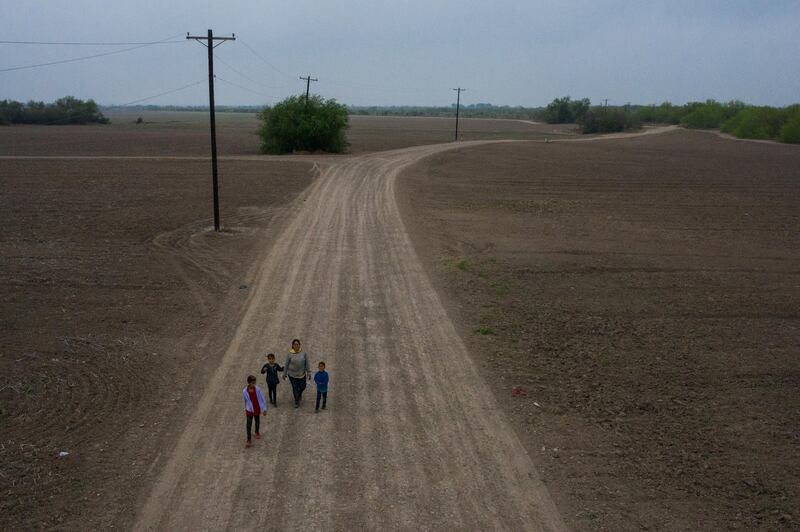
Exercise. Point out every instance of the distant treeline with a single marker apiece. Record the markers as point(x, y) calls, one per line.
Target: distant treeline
point(477, 110)
point(737, 118)
point(67, 110)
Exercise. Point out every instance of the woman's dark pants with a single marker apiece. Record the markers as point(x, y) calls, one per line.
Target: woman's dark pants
point(298, 385)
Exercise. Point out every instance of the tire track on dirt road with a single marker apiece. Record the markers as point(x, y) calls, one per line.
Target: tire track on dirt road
point(412, 438)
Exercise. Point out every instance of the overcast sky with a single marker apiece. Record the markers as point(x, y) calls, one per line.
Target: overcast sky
point(409, 52)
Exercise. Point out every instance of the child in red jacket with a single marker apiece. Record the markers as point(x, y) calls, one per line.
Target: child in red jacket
point(254, 406)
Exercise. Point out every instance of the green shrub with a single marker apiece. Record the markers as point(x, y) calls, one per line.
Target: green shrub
point(299, 125)
point(609, 120)
point(565, 110)
point(704, 116)
point(756, 123)
point(709, 114)
point(790, 131)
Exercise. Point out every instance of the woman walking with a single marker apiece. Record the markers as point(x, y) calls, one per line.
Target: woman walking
point(297, 369)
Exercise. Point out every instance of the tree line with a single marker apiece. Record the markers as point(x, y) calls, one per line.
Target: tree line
point(735, 117)
point(66, 110)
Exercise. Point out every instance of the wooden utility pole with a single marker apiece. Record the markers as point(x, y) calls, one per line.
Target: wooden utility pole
point(308, 79)
point(210, 45)
point(458, 105)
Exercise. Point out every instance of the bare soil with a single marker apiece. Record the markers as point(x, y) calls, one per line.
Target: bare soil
point(643, 293)
point(401, 445)
point(162, 133)
point(118, 304)
point(186, 134)
point(378, 133)
point(110, 283)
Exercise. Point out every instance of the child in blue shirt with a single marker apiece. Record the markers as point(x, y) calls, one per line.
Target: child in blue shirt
point(321, 380)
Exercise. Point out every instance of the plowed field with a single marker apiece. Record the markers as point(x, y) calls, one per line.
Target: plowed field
point(109, 280)
point(644, 295)
point(118, 302)
point(639, 294)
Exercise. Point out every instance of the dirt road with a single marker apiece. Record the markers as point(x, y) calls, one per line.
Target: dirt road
point(412, 438)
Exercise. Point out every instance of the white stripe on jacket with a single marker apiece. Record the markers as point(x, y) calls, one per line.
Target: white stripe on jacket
point(248, 405)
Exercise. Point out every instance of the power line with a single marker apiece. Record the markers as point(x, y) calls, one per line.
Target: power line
point(163, 93)
point(276, 69)
point(333, 82)
point(377, 88)
point(396, 90)
point(53, 43)
point(70, 117)
point(239, 72)
point(245, 88)
point(84, 58)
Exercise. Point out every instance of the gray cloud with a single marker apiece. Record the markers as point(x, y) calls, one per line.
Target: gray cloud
point(413, 52)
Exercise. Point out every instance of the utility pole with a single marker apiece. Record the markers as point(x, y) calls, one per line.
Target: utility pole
point(606, 105)
point(210, 45)
point(458, 105)
point(308, 79)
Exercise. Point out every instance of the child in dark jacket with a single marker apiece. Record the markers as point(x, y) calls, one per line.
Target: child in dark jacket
point(271, 369)
point(321, 380)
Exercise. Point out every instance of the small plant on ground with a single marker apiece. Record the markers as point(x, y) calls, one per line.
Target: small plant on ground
point(501, 289)
point(484, 330)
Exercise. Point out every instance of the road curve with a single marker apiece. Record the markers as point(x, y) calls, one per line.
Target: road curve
point(412, 439)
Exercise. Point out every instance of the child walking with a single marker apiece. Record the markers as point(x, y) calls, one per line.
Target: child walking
point(321, 380)
point(271, 370)
point(254, 406)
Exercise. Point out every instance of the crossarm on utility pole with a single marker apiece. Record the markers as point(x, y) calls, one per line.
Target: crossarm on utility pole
point(308, 79)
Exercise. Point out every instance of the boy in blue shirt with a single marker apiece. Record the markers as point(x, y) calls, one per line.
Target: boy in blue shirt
point(321, 380)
